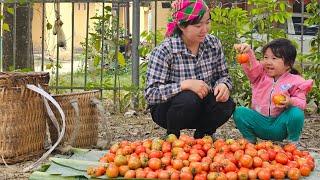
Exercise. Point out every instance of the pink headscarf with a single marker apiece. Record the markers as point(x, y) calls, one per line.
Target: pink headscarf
point(185, 10)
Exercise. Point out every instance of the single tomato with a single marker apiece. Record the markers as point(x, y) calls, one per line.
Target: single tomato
point(242, 58)
point(278, 98)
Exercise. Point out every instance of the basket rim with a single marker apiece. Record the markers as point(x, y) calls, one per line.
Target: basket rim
point(22, 74)
point(74, 93)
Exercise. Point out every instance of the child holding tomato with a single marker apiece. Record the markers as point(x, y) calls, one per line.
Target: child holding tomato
point(278, 94)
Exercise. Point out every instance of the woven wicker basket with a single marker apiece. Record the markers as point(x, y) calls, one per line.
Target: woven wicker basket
point(85, 131)
point(22, 116)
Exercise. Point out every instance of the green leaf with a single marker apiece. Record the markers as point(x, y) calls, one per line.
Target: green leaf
point(121, 59)
point(97, 44)
point(49, 26)
point(282, 20)
point(49, 66)
point(6, 27)
point(43, 175)
point(80, 165)
point(10, 10)
point(96, 60)
point(282, 6)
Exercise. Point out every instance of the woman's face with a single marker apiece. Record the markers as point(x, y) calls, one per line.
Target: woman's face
point(197, 32)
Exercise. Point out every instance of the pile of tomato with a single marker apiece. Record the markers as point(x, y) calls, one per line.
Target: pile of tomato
point(188, 158)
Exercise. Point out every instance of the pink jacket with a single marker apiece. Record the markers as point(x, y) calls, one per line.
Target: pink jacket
point(264, 87)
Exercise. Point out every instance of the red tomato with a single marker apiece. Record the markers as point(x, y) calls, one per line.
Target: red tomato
point(246, 161)
point(152, 175)
point(264, 174)
point(278, 174)
point(100, 171)
point(229, 166)
point(130, 174)
point(294, 173)
point(281, 158)
point(175, 175)
point(251, 152)
point(155, 154)
point(163, 174)
point(134, 163)
point(186, 176)
point(140, 149)
point(165, 161)
point(112, 170)
point(234, 146)
point(123, 169)
point(177, 164)
point(194, 157)
point(290, 147)
point(120, 160)
point(211, 153)
point(243, 174)
point(257, 162)
point(166, 147)
point(252, 174)
point(305, 170)
point(232, 175)
point(141, 173)
point(278, 98)
point(242, 58)
point(154, 163)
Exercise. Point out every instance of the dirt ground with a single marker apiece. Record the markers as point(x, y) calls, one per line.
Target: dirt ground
point(141, 127)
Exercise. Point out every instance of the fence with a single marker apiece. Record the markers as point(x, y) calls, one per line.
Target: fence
point(107, 25)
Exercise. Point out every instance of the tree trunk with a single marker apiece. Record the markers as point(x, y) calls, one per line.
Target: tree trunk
point(18, 42)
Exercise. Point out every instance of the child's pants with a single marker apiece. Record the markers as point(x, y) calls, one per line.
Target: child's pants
point(251, 124)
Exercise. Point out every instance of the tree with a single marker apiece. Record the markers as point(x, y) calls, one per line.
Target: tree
point(20, 45)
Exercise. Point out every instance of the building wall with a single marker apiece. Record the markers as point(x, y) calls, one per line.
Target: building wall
point(80, 15)
point(162, 16)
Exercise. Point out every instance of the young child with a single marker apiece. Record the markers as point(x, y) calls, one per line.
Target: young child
point(273, 75)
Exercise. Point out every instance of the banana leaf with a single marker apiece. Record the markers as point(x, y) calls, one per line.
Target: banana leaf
point(37, 175)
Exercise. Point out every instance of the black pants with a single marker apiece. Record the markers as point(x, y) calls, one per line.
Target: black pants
point(187, 111)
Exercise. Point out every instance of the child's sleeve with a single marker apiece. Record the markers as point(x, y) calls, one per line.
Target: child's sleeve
point(253, 68)
point(299, 92)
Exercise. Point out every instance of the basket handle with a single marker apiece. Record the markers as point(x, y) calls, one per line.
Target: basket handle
point(51, 115)
point(104, 120)
point(56, 104)
point(74, 103)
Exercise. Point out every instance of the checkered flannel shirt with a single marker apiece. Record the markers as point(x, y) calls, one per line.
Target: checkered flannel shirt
point(171, 62)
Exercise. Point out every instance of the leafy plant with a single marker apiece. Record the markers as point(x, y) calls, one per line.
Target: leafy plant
point(229, 24)
point(148, 42)
point(312, 71)
point(267, 21)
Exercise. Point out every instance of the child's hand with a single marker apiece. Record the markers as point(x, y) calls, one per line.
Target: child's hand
point(241, 48)
point(284, 103)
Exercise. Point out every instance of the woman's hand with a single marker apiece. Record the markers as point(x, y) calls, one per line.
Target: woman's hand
point(222, 93)
point(197, 86)
point(242, 48)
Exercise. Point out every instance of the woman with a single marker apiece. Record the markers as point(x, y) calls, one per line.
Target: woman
point(188, 85)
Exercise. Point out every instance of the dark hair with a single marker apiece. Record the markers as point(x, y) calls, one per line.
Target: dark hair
point(283, 48)
point(177, 30)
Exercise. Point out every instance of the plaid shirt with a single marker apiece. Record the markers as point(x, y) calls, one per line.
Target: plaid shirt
point(171, 63)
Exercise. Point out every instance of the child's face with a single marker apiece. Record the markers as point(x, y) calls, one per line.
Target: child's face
point(273, 66)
